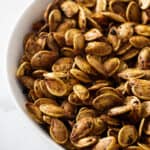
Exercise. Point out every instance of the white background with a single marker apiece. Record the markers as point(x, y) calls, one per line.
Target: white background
point(15, 134)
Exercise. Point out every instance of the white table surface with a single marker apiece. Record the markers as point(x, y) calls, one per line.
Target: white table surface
point(15, 134)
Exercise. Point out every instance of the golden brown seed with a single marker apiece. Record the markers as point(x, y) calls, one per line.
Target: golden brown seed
point(70, 109)
point(56, 86)
point(106, 101)
point(69, 8)
point(98, 48)
point(107, 143)
point(52, 110)
point(84, 65)
point(82, 20)
point(99, 84)
point(131, 73)
point(99, 126)
point(74, 99)
point(140, 88)
point(143, 30)
point(85, 142)
point(44, 90)
point(85, 124)
point(85, 112)
point(81, 91)
point(24, 68)
point(111, 66)
point(118, 6)
point(37, 89)
point(101, 5)
point(78, 42)
point(58, 131)
point(139, 41)
point(54, 19)
point(93, 34)
point(59, 38)
point(63, 64)
point(41, 101)
point(96, 63)
point(69, 36)
point(120, 110)
point(130, 54)
point(66, 25)
point(43, 59)
point(51, 43)
point(31, 47)
point(124, 48)
point(133, 12)
point(49, 7)
point(68, 52)
point(127, 135)
point(114, 16)
point(81, 76)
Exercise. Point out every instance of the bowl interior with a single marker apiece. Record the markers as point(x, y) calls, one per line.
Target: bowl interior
point(15, 48)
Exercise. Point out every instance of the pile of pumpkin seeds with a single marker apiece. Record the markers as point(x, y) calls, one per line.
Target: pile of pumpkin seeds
point(85, 71)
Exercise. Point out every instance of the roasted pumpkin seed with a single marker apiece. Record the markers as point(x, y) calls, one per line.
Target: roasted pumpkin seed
point(58, 131)
point(81, 91)
point(127, 135)
point(98, 48)
point(69, 8)
point(56, 86)
point(52, 110)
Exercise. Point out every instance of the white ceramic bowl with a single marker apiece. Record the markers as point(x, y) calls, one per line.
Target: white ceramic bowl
point(15, 48)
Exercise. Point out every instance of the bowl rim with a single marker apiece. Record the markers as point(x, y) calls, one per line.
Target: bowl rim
point(13, 98)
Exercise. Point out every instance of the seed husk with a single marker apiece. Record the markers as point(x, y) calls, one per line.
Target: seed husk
point(127, 135)
point(52, 110)
point(133, 12)
point(63, 64)
point(69, 8)
point(142, 30)
point(96, 63)
point(56, 86)
point(106, 143)
point(81, 91)
point(84, 65)
point(58, 131)
point(98, 48)
point(139, 41)
point(80, 75)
